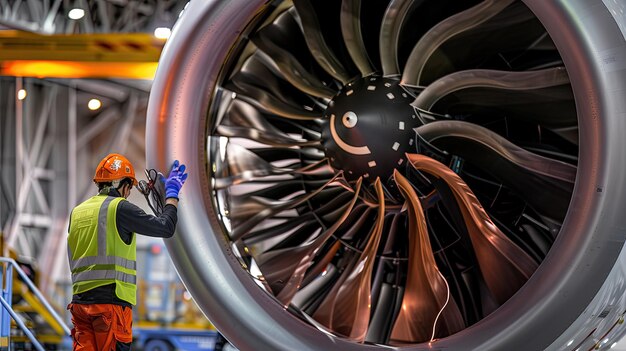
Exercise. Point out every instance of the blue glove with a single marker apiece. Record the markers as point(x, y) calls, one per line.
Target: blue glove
point(175, 180)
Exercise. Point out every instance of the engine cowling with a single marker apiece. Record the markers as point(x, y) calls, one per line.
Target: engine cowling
point(499, 222)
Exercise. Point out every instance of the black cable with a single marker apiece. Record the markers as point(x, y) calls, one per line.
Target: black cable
point(153, 190)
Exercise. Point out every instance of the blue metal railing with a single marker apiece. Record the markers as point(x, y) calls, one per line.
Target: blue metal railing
point(7, 311)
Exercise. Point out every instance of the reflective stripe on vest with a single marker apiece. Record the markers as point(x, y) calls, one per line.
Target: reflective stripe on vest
point(104, 274)
point(93, 260)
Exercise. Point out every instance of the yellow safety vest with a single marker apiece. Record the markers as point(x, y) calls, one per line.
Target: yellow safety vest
point(96, 253)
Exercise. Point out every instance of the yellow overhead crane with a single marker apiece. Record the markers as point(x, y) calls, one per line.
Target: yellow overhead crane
point(116, 55)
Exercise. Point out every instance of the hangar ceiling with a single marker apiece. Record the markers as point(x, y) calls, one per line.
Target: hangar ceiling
point(101, 16)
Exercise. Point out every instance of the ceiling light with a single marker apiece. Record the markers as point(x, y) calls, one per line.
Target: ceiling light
point(94, 104)
point(162, 32)
point(21, 94)
point(76, 14)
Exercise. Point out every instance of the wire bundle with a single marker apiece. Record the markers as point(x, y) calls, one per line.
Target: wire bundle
point(153, 190)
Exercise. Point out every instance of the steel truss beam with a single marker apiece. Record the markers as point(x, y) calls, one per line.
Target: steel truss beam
point(101, 16)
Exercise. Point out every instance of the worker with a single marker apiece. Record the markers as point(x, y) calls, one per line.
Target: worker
point(102, 253)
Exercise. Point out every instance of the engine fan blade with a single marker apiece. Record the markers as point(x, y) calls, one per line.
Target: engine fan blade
point(505, 40)
point(256, 84)
point(244, 121)
point(316, 43)
point(264, 138)
point(390, 32)
point(504, 266)
point(283, 189)
point(446, 29)
point(550, 107)
point(271, 41)
point(271, 154)
point(489, 79)
point(240, 231)
point(244, 166)
point(346, 308)
point(351, 31)
point(528, 173)
point(427, 309)
point(251, 203)
point(287, 227)
point(286, 266)
point(359, 225)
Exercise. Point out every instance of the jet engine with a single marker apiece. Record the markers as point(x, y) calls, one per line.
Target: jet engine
point(399, 174)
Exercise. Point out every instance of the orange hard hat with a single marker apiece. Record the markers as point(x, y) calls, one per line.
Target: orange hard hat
point(114, 167)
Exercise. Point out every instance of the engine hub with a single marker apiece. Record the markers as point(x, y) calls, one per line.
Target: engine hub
point(369, 128)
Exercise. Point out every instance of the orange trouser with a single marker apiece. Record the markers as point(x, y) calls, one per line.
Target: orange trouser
point(101, 327)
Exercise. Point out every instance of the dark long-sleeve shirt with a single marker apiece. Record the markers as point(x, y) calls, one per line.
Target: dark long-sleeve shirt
point(131, 219)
